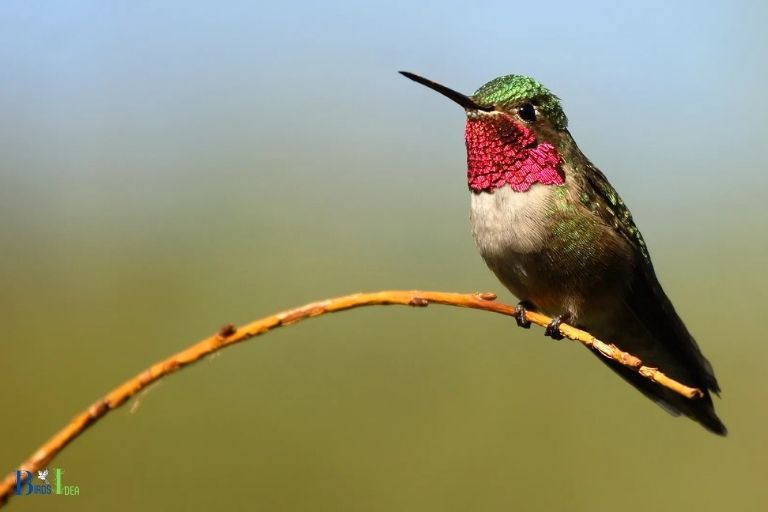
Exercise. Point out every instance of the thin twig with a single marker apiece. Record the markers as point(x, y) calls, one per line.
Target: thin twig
point(230, 335)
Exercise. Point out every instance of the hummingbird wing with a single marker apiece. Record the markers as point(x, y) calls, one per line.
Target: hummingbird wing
point(650, 320)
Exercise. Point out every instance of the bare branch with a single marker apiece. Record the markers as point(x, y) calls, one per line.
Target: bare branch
point(230, 335)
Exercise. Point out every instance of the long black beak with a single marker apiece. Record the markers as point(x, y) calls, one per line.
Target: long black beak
point(461, 99)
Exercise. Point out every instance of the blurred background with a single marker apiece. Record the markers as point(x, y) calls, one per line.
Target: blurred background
point(166, 168)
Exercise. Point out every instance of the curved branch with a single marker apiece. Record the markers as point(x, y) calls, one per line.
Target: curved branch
point(230, 335)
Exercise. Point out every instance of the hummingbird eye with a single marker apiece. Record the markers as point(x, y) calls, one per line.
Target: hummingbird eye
point(527, 112)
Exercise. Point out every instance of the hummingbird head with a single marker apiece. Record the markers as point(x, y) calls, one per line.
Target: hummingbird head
point(513, 127)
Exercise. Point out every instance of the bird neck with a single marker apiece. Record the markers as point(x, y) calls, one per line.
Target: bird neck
point(502, 152)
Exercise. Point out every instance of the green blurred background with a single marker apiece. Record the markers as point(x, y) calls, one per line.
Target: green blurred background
point(169, 167)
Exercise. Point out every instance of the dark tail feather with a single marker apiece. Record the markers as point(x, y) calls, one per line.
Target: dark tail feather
point(700, 410)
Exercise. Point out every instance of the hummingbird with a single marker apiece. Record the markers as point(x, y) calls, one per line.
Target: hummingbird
point(554, 231)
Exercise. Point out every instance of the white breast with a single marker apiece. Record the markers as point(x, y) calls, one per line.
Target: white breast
point(505, 222)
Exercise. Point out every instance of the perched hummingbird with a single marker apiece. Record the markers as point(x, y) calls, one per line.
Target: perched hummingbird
point(559, 237)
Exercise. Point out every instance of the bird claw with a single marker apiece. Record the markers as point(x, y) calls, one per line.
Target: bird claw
point(520, 310)
point(553, 328)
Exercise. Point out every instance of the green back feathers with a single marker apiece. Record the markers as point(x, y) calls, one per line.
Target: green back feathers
point(510, 89)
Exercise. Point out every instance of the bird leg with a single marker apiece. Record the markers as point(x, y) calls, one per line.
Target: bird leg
point(553, 328)
point(520, 310)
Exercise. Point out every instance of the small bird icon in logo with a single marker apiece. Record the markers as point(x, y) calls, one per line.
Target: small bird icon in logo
point(43, 475)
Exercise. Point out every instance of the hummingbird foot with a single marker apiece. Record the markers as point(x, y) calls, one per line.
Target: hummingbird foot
point(520, 310)
point(553, 328)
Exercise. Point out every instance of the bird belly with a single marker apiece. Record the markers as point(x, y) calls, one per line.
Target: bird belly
point(559, 262)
